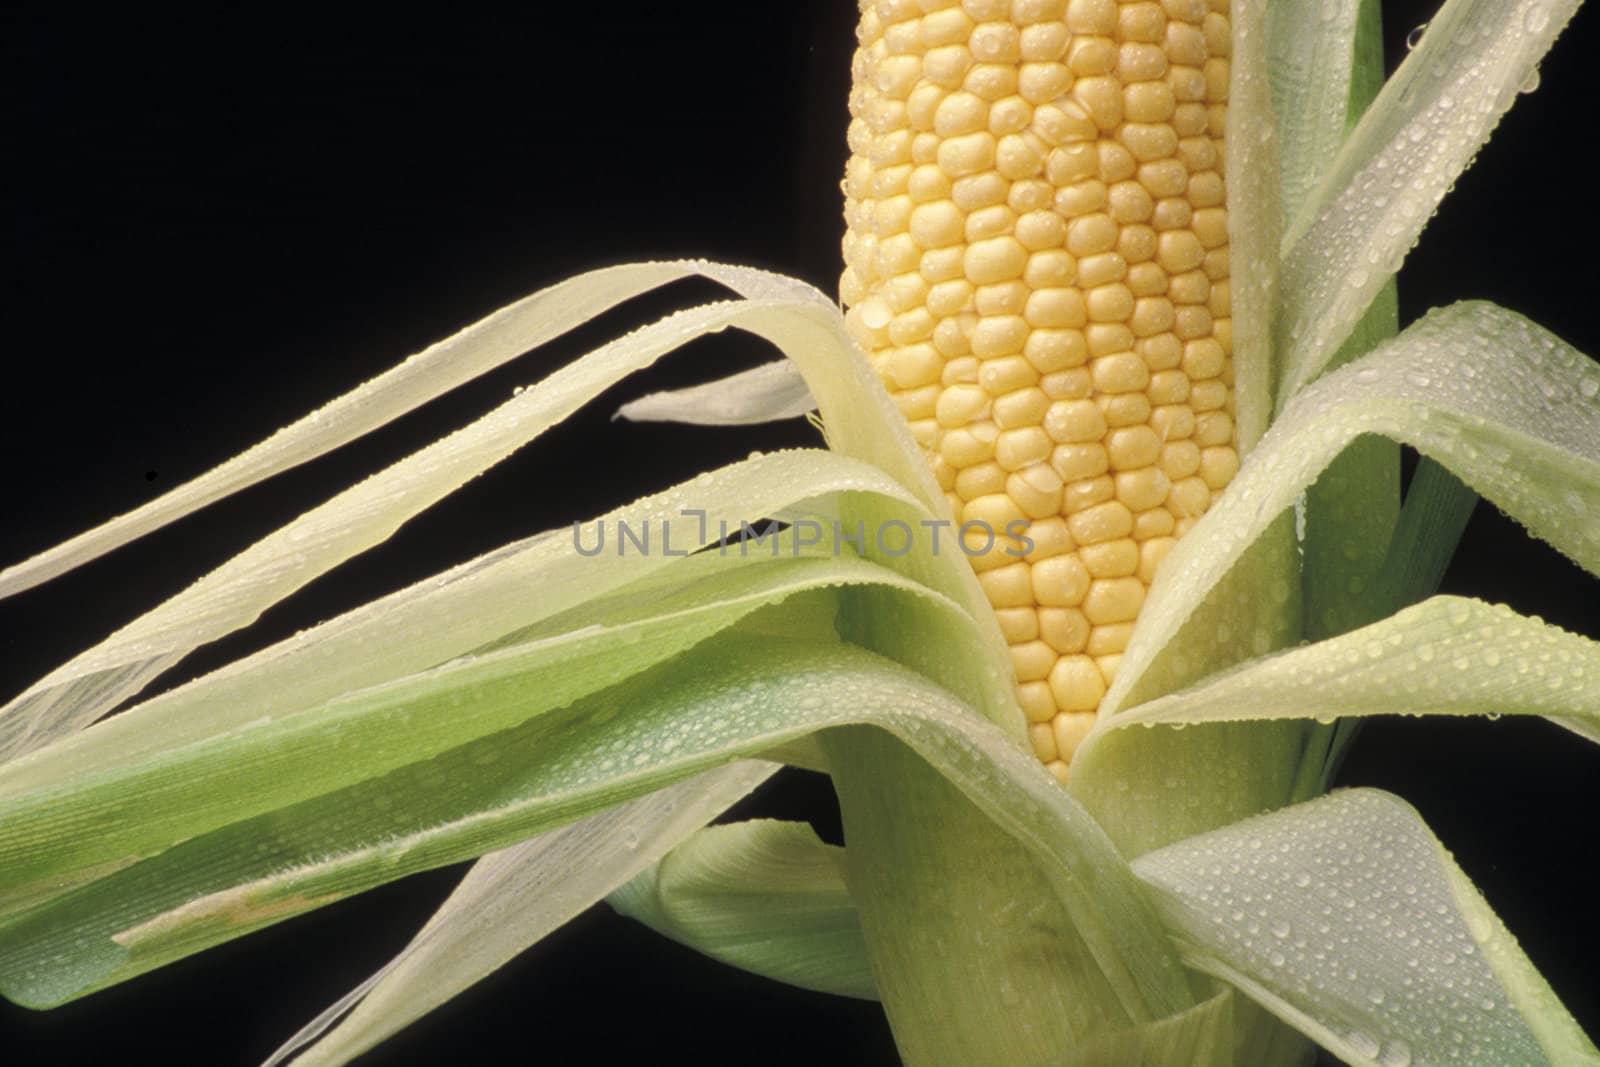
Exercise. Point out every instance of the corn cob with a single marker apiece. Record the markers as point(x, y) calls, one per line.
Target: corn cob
point(1037, 264)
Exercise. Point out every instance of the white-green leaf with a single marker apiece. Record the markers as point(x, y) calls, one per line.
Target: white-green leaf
point(797, 319)
point(1508, 407)
point(766, 393)
point(1423, 130)
point(1346, 918)
point(427, 624)
point(512, 899)
point(1446, 656)
point(765, 896)
point(1310, 54)
point(437, 369)
point(1253, 221)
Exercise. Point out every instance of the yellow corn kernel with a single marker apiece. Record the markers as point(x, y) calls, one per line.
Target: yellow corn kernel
point(1037, 264)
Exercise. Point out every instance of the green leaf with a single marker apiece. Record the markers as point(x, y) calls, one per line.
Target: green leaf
point(509, 901)
point(1346, 918)
point(1423, 130)
point(731, 698)
point(73, 812)
point(1436, 511)
point(765, 896)
point(1425, 536)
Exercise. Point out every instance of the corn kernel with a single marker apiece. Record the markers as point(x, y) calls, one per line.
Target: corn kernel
point(1042, 736)
point(1076, 684)
point(1060, 581)
point(1064, 629)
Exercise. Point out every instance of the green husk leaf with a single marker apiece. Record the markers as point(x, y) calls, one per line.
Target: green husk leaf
point(793, 869)
point(1438, 505)
point(735, 697)
point(509, 901)
point(1425, 536)
point(1502, 403)
point(1201, 1036)
point(1211, 776)
point(1350, 515)
point(955, 913)
point(1424, 972)
point(1350, 512)
point(767, 393)
point(766, 896)
point(1421, 132)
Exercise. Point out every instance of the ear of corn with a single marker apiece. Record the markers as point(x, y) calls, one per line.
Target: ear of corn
point(1037, 264)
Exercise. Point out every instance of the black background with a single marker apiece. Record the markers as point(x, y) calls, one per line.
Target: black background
point(215, 222)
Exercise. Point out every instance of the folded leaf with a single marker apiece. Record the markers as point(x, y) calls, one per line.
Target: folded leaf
point(765, 896)
point(1346, 918)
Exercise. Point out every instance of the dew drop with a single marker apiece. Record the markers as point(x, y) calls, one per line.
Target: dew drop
point(1364, 1045)
point(875, 314)
point(1414, 38)
point(1395, 1054)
